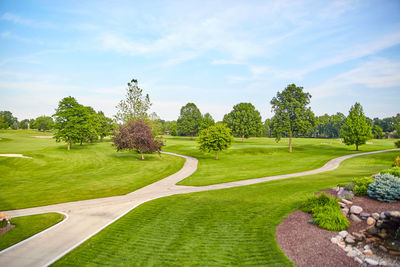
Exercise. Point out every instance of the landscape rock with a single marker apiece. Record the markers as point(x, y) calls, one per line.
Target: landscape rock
point(368, 252)
point(352, 253)
point(379, 223)
point(371, 261)
point(339, 238)
point(371, 221)
point(345, 201)
point(365, 214)
point(342, 204)
point(357, 259)
point(355, 218)
point(345, 211)
point(375, 215)
point(356, 209)
point(334, 240)
point(366, 247)
point(348, 248)
point(342, 244)
point(343, 233)
point(382, 248)
point(382, 215)
point(350, 239)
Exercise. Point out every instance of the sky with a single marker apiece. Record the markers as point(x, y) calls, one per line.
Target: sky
point(213, 53)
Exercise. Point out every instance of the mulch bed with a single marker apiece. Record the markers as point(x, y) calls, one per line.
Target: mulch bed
point(307, 245)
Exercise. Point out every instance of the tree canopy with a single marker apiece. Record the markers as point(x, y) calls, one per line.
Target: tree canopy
point(135, 106)
point(244, 121)
point(206, 121)
point(137, 135)
point(356, 130)
point(215, 138)
point(9, 119)
point(292, 116)
point(44, 123)
point(189, 120)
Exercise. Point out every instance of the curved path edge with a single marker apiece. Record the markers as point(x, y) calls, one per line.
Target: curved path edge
point(88, 217)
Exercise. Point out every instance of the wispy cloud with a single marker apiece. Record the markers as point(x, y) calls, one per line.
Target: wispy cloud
point(14, 18)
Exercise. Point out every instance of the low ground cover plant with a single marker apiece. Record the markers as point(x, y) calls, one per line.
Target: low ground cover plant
point(385, 188)
point(395, 171)
point(326, 212)
point(358, 186)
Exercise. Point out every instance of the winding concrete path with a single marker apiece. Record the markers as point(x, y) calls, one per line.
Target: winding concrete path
point(86, 218)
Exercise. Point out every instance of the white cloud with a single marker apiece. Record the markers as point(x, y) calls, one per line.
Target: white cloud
point(25, 22)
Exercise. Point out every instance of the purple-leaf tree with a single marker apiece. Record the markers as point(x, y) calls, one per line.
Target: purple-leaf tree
point(137, 135)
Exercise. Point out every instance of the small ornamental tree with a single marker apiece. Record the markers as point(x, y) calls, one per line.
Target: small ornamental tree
point(356, 130)
point(244, 120)
point(292, 116)
point(215, 138)
point(137, 135)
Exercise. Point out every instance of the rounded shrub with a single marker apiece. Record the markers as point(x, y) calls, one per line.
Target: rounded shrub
point(361, 185)
point(385, 188)
point(330, 218)
point(396, 162)
point(393, 171)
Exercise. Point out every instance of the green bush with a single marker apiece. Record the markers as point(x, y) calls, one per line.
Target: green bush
point(326, 212)
point(396, 162)
point(395, 171)
point(397, 144)
point(349, 186)
point(318, 201)
point(361, 185)
point(385, 188)
point(330, 218)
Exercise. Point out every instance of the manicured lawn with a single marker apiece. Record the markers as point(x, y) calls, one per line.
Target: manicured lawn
point(27, 226)
point(261, 157)
point(226, 227)
point(55, 175)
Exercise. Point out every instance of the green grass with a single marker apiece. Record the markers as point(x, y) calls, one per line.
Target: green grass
point(27, 226)
point(55, 175)
point(226, 227)
point(261, 157)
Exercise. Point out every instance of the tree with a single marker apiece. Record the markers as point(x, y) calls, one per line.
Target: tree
point(135, 106)
point(137, 135)
point(215, 138)
point(106, 125)
point(356, 130)
point(70, 121)
point(3, 123)
point(44, 123)
point(91, 127)
point(244, 120)
point(171, 127)
point(292, 116)
point(23, 124)
point(206, 121)
point(9, 119)
point(267, 129)
point(189, 120)
point(377, 132)
point(32, 124)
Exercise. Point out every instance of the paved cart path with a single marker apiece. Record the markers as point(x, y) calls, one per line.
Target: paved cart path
point(87, 217)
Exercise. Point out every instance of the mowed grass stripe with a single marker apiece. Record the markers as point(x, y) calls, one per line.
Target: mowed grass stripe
point(226, 227)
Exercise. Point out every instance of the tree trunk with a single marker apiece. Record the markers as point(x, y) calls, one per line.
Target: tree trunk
point(81, 141)
point(142, 155)
point(290, 142)
point(216, 155)
point(101, 138)
point(69, 144)
point(242, 138)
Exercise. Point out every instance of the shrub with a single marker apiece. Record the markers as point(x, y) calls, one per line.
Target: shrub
point(349, 195)
point(397, 143)
point(317, 201)
point(361, 185)
point(395, 171)
point(385, 188)
point(396, 162)
point(349, 186)
point(330, 218)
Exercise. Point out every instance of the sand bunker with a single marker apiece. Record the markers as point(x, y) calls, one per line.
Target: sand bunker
point(44, 136)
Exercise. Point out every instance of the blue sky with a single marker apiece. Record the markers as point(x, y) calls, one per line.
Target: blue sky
point(213, 53)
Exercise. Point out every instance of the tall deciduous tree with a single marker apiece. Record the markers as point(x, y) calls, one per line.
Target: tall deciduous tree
point(356, 130)
point(70, 121)
point(135, 106)
point(244, 121)
point(206, 121)
point(44, 123)
point(3, 123)
point(377, 132)
point(189, 120)
point(9, 119)
point(292, 116)
point(106, 125)
point(215, 138)
point(137, 135)
point(23, 124)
